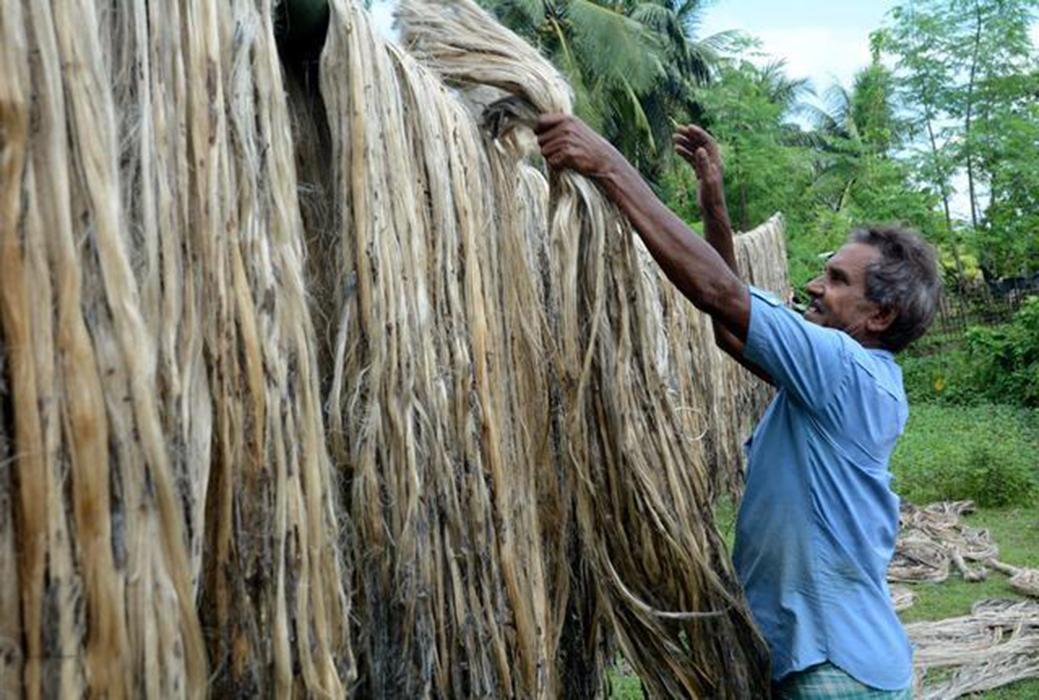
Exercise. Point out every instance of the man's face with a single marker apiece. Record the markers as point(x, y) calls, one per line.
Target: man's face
point(839, 294)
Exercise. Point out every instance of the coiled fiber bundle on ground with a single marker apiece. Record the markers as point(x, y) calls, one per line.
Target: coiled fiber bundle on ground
point(510, 468)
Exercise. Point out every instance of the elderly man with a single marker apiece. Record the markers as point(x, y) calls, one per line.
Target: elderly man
point(816, 528)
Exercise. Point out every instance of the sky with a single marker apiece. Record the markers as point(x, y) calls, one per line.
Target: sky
point(825, 41)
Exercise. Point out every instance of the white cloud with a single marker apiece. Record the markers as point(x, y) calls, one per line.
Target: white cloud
point(821, 54)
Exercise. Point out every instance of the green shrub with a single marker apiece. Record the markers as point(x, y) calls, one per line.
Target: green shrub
point(1006, 358)
point(989, 454)
point(999, 364)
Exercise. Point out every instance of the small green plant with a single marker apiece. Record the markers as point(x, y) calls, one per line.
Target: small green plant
point(944, 378)
point(993, 480)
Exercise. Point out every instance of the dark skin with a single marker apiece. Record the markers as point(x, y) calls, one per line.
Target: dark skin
point(697, 148)
point(704, 269)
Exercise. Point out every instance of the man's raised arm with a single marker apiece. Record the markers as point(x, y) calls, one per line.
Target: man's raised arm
point(697, 147)
point(689, 262)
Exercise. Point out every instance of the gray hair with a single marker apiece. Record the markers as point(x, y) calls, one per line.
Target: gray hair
point(905, 278)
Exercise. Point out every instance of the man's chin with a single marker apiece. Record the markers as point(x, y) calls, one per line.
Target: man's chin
point(813, 316)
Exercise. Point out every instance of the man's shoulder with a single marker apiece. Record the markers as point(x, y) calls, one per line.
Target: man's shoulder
point(877, 369)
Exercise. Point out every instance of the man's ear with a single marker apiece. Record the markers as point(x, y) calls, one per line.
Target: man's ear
point(881, 319)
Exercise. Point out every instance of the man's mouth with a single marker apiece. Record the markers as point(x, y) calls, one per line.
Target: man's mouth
point(814, 307)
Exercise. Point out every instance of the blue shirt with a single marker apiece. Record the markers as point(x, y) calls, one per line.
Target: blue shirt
point(817, 525)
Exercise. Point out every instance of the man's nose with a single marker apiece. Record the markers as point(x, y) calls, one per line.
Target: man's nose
point(815, 287)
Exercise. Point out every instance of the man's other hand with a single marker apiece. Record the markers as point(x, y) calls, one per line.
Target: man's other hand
point(701, 151)
point(567, 142)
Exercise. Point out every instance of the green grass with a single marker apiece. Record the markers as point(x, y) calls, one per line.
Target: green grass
point(624, 686)
point(987, 453)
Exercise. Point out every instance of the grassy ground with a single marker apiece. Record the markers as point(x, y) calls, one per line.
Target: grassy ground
point(989, 454)
point(942, 449)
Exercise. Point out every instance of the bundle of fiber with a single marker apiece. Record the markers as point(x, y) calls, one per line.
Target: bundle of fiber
point(10, 610)
point(997, 644)
point(642, 492)
point(902, 597)
point(1024, 581)
point(515, 396)
point(172, 488)
point(933, 538)
point(438, 399)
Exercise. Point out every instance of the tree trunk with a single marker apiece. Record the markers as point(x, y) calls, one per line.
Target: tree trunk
point(945, 204)
point(943, 183)
point(970, 107)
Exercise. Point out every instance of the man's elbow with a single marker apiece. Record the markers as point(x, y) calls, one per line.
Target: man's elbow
point(722, 338)
point(723, 298)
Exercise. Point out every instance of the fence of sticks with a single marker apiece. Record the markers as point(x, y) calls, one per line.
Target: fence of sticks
point(313, 386)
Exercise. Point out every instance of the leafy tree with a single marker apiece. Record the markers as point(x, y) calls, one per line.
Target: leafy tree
point(746, 109)
point(967, 72)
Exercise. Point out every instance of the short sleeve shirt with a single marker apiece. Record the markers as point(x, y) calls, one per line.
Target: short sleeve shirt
point(817, 525)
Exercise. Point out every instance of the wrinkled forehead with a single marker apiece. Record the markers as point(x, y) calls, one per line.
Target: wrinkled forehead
point(853, 258)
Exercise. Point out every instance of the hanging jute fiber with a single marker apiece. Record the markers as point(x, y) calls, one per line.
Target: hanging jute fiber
point(173, 520)
point(315, 383)
point(642, 487)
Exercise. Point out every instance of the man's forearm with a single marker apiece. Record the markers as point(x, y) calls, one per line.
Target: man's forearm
point(718, 232)
point(691, 263)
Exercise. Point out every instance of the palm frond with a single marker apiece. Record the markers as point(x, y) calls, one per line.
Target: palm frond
point(613, 46)
point(639, 114)
point(655, 16)
point(532, 10)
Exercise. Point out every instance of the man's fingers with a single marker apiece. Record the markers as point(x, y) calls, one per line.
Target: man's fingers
point(683, 147)
point(684, 152)
point(702, 160)
point(695, 130)
point(553, 147)
point(549, 135)
point(556, 154)
point(547, 121)
point(555, 151)
point(553, 139)
point(698, 137)
point(695, 133)
point(697, 155)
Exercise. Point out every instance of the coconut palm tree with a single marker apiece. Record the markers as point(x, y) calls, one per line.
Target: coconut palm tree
point(634, 66)
point(856, 130)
